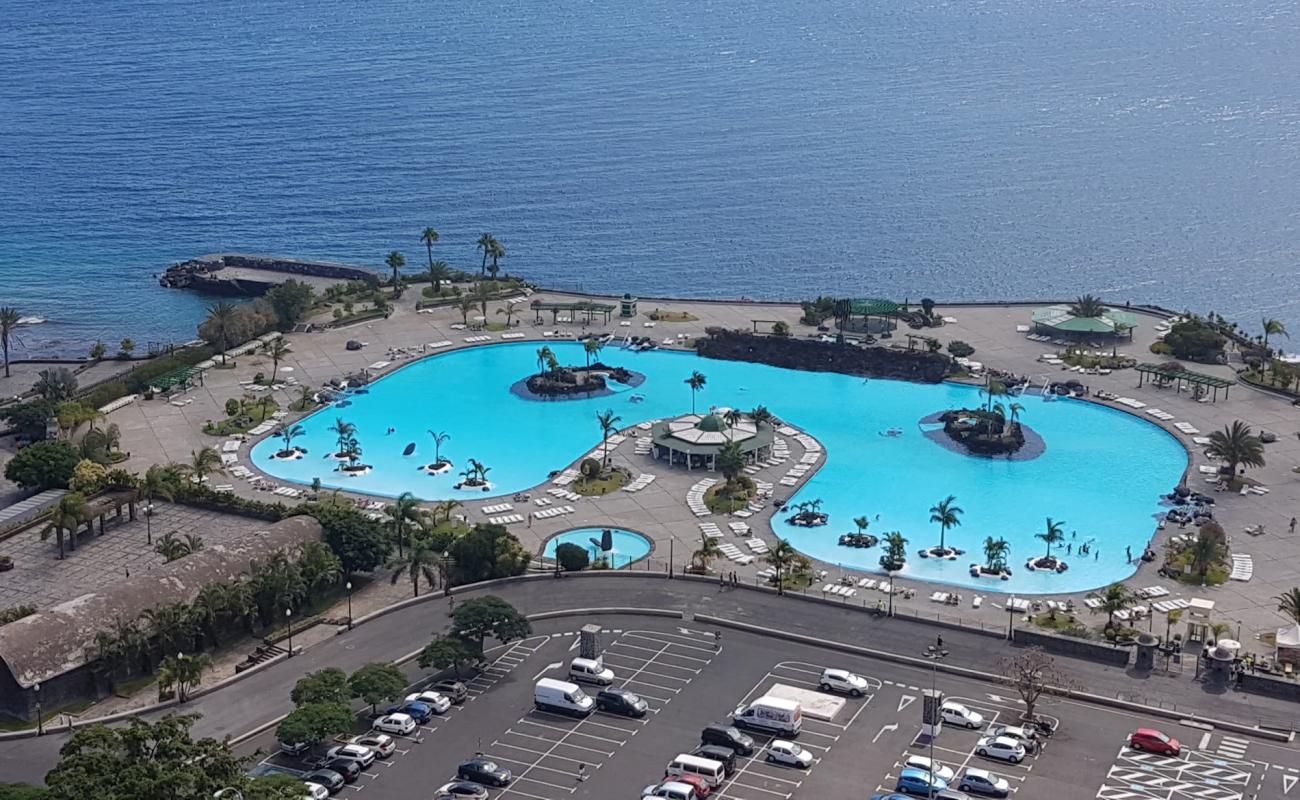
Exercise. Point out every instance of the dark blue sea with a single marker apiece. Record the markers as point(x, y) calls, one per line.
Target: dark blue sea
point(1144, 150)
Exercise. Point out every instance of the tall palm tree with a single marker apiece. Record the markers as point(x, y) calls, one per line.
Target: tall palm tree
point(221, 317)
point(544, 357)
point(608, 422)
point(485, 243)
point(465, 305)
point(404, 511)
point(732, 417)
point(204, 462)
point(696, 382)
point(439, 439)
point(498, 252)
point(9, 317)
point(1016, 408)
point(1289, 604)
point(1087, 306)
point(1207, 551)
point(995, 554)
point(781, 556)
point(344, 430)
point(181, 673)
point(1237, 445)
point(395, 262)
point(420, 559)
point(288, 433)
point(946, 514)
point(439, 271)
point(590, 348)
point(482, 295)
point(277, 349)
point(1116, 598)
point(430, 237)
point(761, 416)
point(446, 507)
point(1051, 534)
point(69, 515)
point(708, 551)
point(861, 523)
point(992, 390)
point(1273, 326)
point(158, 481)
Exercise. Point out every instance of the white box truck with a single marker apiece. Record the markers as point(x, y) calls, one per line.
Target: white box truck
point(770, 714)
point(562, 697)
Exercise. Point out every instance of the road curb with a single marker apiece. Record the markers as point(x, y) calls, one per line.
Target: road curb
point(577, 612)
point(966, 672)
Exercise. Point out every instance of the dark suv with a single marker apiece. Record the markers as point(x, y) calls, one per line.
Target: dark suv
point(714, 752)
point(349, 769)
point(727, 736)
point(621, 701)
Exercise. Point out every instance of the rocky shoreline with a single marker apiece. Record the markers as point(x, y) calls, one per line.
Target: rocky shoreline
point(207, 273)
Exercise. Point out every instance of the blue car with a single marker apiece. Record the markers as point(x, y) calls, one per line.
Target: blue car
point(918, 781)
point(420, 712)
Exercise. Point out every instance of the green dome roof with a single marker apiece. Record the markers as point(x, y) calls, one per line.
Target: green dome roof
point(712, 423)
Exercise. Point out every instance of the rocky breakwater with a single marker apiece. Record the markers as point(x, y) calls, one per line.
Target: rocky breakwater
point(817, 356)
point(239, 275)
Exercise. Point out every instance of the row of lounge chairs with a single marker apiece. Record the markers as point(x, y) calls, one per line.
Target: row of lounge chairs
point(506, 519)
point(564, 494)
point(498, 508)
point(547, 513)
point(695, 497)
point(639, 482)
point(1243, 567)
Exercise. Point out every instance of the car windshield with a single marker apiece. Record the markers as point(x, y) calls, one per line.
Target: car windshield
point(1160, 736)
point(956, 708)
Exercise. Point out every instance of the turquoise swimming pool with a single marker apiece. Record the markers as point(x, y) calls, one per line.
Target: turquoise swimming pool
point(627, 546)
point(1102, 471)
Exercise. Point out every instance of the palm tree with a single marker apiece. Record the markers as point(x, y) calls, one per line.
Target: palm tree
point(9, 317)
point(992, 390)
point(181, 673)
point(1088, 306)
point(730, 461)
point(403, 512)
point(171, 547)
point(430, 237)
point(696, 382)
point(708, 551)
point(1273, 326)
point(498, 252)
point(861, 523)
point(895, 552)
point(1016, 408)
point(344, 430)
point(995, 554)
point(1289, 604)
point(732, 416)
point(1236, 445)
point(420, 559)
point(590, 348)
point(172, 627)
point(446, 507)
point(1051, 534)
point(946, 515)
point(158, 481)
point(482, 295)
point(1121, 328)
point(465, 305)
point(206, 461)
point(439, 271)
point(1116, 598)
point(761, 416)
point(485, 243)
point(439, 439)
point(69, 515)
point(1207, 551)
point(277, 349)
point(608, 422)
point(288, 433)
point(509, 311)
point(544, 358)
point(781, 556)
point(221, 316)
point(395, 262)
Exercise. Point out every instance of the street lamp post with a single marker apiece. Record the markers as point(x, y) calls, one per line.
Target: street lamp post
point(40, 724)
point(890, 574)
point(935, 653)
point(288, 617)
point(349, 586)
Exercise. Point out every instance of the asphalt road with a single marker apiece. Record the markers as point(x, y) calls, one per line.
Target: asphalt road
point(264, 695)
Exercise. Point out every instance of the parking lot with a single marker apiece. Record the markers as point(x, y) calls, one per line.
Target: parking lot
point(690, 679)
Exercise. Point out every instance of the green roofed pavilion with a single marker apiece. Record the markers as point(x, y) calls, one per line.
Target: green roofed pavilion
point(874, 307)
point(1060, 319)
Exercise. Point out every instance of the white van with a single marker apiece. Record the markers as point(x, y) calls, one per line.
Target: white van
point(772, 714)
point(586, 670)
point(562, 697)
point(713, 772)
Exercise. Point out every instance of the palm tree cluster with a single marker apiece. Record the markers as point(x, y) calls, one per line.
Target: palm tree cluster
point(895, 554)
point(475, 474)
point(171, 547)
point(349, 448)
point(492, 249)
point(996, 552)
point(1237, 446)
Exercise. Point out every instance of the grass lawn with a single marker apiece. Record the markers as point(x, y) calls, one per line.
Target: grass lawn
point(1060, 623)
point(719, 503)
point(252, 414)
point(1217, 574)
point(608, 482)
point(659, 315)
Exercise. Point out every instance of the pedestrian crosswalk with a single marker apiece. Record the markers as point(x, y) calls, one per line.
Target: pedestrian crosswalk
point(1232, 747)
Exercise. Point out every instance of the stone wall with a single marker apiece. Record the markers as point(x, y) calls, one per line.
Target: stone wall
point(816, 356)
point(1074, 647)
point(204, 273)
point(1269, 686)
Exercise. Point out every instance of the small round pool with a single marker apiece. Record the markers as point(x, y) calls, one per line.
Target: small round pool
point(628, 546)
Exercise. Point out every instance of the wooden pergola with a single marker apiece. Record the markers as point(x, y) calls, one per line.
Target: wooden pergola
point(577, 307)
point(1182, 378)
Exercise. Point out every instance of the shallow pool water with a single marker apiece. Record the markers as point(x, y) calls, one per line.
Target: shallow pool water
point(1102, 471)
point(629, 546)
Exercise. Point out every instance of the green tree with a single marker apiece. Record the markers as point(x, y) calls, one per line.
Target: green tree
point(277, 349)
point(498, 252)
point(895, 554)
point(1206, 552)
point(272, 787)
point(171, 627)
point(1051, 535)
point(361, 543)
point(782, 556)
point(277, 585)
point(43, 465)
point(861, 523)
point(204, 462)
point(439, 439)
point(219, 327)
point(591, 347)
point(313, 723)
point(55, 385)
point(946, 514)
point(608, 422)
point(143, 761)
point(1088, 306)
point(1236, 445)
point(477, 619)
point(180, 673)
point(395, 262)
point(319, 566)
point(329, 685)
point(449, 652)
point(421, 559)
point(125, 348)
point(377, 683)
point(488, 551)
point(439, 271)
point(1273, 327)
point(429, 237)
point(696, 382)
point(23, 791)
point(290, 302)
point(571, 557)
point(69, 515)
point(704, 555)
point(9, 318)
point(171, 547)
point(731, 463)
point(544, 358)
point(995, 554)
point(486, 243)
point(403, 513)
point(1289, 603)
point(465, 305)
point(159, 481)
point(1115, 598)
point(29, 419)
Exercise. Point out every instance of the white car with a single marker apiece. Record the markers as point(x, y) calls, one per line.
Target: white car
point(941, 771)
point(433, 700)
point(841, 680)
point(315, 791)
point(781, 751)
point(400, 724)
point(671, 790)
point(359, 753)
point(958, 714)
point(1027, 738)
point(1001, 748)
point(382, 745)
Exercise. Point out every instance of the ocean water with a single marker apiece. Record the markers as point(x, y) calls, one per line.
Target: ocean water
point(1144, 150)
point(1107, 499)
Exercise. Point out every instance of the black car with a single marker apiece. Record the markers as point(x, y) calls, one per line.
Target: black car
point(455, 691)
point(483, 770)
point(326, 777)
point(621, 701)
point(349, 769)
point(714, 752)
point(727, 736)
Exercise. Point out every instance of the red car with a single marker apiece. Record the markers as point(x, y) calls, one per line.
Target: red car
point(1153, 741)
point(701, 786)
